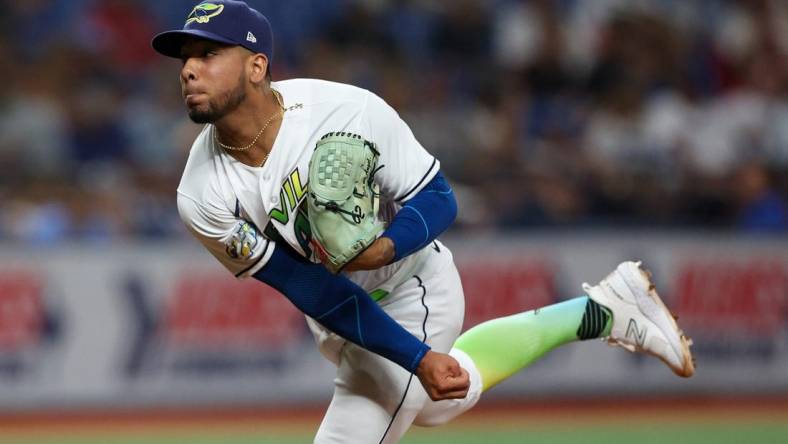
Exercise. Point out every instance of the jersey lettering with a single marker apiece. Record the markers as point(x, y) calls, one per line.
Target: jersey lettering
point(292, 200)
point(280, 215)
point(300, 189)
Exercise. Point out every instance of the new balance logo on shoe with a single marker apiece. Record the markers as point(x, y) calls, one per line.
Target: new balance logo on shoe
point(250, 37)
point(634, 333)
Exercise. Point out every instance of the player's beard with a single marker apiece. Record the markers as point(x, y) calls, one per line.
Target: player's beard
point(222, 105)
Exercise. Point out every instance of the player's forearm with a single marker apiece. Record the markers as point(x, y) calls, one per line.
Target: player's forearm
point(380, 253)
point(341, 306)
point(423, 218)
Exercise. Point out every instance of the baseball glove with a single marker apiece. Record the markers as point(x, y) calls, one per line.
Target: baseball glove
point(343, 199)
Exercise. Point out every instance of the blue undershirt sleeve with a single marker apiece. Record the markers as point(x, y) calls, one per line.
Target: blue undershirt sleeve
point(341, 306)
point(422, 218)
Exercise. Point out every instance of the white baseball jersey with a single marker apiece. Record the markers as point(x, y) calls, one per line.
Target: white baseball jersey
point(239, 212)
point(217, 193)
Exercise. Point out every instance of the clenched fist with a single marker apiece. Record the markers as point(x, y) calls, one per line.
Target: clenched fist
point(442, 377)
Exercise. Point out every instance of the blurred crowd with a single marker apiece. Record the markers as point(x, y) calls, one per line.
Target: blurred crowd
point(544, 113)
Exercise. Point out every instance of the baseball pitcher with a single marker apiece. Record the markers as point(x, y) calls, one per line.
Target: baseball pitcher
point(321, 191)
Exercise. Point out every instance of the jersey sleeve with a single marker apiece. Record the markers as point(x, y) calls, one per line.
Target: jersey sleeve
point(238, 244)
point(406, 165)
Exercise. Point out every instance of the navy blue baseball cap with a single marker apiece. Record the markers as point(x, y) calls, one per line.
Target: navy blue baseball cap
point(225, 21)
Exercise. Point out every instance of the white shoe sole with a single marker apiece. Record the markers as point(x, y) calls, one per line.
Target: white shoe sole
point(688, 361)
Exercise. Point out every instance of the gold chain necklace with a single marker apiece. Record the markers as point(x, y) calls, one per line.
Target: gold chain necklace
point(281, 112)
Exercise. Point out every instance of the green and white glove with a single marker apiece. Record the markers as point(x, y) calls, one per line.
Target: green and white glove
point(343, 198)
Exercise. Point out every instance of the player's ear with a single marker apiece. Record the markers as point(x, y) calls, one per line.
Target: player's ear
point(258, 67)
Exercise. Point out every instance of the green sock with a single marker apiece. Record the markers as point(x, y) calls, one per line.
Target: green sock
point(502, 347)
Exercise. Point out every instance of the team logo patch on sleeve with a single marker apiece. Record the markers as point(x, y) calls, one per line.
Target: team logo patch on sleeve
point(243, 241)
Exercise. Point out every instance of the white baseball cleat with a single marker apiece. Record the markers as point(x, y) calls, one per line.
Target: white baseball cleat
point(641, 321)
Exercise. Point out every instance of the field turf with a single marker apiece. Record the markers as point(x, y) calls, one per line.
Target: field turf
point(674, 423)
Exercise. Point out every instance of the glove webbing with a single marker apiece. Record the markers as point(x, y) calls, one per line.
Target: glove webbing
point(330, 205)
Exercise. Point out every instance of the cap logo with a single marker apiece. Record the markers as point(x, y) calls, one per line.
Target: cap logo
point(250, 37)
point(203, 12)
